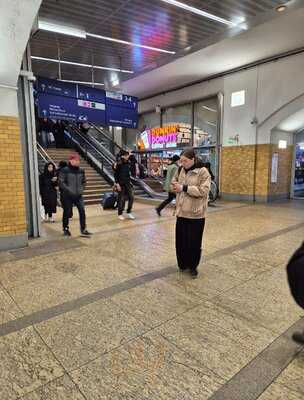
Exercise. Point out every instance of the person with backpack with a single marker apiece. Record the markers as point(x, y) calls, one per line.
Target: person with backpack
point(191, 185)
point(122, 175)
point(72, 182)
point(171, 171)
point(295, 275)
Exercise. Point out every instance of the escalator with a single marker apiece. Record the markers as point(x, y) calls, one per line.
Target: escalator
point(97, 147)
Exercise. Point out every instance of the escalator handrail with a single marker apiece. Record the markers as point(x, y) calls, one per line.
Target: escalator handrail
point(94, 159)
point(75, 131)
point(135, 181)
point(45, 155)
point(104, 135)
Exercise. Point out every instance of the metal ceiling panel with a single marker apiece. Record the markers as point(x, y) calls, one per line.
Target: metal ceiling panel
point(153, 23)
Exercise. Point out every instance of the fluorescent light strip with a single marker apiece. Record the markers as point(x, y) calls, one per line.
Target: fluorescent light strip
point(81, 65)
point(209, 108)
point(70, 31)
point(81, 82)
point(64, 30)
point(129, 43)
point(200, 12)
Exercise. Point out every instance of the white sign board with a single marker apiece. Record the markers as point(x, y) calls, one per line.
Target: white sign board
point(274, 168)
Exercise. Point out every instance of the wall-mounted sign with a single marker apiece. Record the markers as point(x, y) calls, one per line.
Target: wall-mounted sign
point(69, 101)
point(274, 167)
point(158, 138)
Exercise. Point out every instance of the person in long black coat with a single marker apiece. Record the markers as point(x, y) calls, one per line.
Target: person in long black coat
point(48, 183)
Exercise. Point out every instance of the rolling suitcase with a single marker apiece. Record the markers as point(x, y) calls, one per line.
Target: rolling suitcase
point(109, 201)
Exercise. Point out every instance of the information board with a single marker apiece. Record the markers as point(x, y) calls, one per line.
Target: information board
point(69, 101)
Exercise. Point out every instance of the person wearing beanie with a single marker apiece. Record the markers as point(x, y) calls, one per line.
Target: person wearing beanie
point(171, 171)
point(72, 183)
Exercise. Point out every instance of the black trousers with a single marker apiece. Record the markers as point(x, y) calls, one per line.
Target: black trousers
point(125, 194)
point(189, 235)
point(46, 211)
point(67, 205)
point(171, 197)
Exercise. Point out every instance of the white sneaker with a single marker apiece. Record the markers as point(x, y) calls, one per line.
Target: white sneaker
point(130, 216)
point(121, 217)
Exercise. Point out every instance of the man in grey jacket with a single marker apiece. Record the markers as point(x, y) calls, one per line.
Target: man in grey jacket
point(72, 183)
point(172, 169)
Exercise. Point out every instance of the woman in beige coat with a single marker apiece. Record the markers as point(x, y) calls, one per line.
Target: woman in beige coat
point(192, 185)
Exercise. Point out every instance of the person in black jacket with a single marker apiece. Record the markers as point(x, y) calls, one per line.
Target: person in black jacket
point(72, 183)
point(48, 190)
point(122, 175)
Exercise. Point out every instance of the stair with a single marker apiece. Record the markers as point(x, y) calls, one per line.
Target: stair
point(96, 185)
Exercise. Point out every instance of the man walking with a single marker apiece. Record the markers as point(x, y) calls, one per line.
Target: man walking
point(72, 183)
point(171, 171)
point(122, 177)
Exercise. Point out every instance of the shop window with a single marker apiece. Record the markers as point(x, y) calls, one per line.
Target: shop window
point(180, 116)
point(205, 122)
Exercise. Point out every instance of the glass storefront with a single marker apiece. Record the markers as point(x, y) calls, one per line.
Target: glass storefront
point(205, 123)
point(162, 135)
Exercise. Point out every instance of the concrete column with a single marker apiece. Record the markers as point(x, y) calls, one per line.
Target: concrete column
point(16, 21)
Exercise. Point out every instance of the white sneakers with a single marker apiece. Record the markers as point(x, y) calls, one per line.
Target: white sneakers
point(130, 216)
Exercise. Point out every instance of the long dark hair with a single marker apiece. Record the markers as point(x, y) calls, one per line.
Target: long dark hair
point(46, 171)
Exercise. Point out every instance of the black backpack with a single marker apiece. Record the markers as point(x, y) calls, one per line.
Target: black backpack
point(295, 275)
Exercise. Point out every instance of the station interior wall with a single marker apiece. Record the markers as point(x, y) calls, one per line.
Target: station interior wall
point(273, 91)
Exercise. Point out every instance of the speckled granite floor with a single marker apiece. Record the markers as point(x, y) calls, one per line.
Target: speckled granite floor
point(111, 318)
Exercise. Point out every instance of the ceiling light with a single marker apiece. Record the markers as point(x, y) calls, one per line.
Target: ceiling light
point(64, 30)
point(281, 8)
point(82, 83)
point(209, 109)
point(129, 43)
point(200, 12)
point(82, 65)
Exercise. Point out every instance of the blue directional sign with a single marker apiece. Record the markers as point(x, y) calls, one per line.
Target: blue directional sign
point(91, 94)
point(58, 88)
point(119, 116)
point(57, 107)
point(121, 100)
point(69, 101)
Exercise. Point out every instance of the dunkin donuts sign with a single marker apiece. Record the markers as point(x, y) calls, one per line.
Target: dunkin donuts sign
point(159, 137)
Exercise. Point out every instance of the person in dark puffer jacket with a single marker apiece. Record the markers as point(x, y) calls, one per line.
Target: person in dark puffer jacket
point(72, 183)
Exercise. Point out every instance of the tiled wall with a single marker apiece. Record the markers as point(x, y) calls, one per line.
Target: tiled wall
point(12, 201)
point(238, 170)
point(282, 187)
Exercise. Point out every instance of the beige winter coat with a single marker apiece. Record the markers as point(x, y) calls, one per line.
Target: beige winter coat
point(193, 203)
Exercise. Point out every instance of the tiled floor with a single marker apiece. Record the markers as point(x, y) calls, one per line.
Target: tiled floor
point(111, 318)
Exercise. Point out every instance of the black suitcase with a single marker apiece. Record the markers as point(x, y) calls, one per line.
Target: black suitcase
point(109, 201)
point(295, 274)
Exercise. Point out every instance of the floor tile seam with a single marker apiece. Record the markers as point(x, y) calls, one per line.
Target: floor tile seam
point(87, 299)
point(66, 372)
point(251, 242)
point(137, 337)
point(52, 251)
point(217, 255)
point(260, 356)
point(13, 300)
point(246, 280)
point(243, 317)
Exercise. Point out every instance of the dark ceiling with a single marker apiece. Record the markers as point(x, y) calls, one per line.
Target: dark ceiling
point(153, 23)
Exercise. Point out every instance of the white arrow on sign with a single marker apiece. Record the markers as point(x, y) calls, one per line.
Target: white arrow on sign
point(83, 118)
